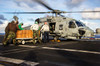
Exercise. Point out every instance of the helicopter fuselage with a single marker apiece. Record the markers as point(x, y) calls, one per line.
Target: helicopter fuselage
point(66, 27)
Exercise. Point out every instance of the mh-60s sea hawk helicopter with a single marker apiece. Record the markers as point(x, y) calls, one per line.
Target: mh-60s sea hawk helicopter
point(61, 26)
point(65, 27)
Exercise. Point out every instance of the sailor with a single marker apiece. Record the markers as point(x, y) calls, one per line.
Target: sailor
point(20, 26)
point(11, 30)
point(35, 28)
point(45, 30)
point(6, 31)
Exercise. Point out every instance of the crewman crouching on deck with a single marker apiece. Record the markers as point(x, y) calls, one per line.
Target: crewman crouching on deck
point(20, 26)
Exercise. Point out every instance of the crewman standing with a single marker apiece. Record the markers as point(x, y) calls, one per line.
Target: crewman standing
point(35, 28)
point(45, 29)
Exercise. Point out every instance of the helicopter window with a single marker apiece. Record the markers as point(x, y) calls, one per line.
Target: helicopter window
point(49, 20)
point(79, 24)
point(72, 24)
point(60, 27)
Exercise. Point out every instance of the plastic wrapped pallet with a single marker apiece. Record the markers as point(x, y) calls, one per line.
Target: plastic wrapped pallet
point(24, 34)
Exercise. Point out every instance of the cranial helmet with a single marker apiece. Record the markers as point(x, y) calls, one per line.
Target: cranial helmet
point(36, 22)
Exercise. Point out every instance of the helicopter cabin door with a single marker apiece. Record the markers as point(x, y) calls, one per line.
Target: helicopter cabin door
point(52, 27)
point(72, 29)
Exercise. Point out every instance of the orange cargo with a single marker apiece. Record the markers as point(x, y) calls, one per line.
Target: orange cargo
point(19, 32)
point(31, 34)
point(24, 34)
point(18, 36)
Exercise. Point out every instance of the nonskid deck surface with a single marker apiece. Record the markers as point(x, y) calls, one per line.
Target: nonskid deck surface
point(71, 53)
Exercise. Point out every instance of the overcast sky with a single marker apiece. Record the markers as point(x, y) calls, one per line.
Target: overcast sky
point(90, 19)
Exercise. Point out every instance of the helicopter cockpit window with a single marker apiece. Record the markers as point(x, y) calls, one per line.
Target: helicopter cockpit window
point(79, 24)
point(60, 27)
point(72, 24)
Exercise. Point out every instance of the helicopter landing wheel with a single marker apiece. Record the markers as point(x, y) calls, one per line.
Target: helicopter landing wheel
point(79, 37)
point(56, 38)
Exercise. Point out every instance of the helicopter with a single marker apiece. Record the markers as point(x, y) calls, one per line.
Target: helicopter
point(60, 26)
point(64, 27)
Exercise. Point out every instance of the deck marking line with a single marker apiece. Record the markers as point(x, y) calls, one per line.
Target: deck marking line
point(73, 50)
point(18, 61)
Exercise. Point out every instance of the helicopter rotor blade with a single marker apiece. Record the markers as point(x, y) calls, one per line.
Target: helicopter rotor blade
point(25, 12)
point(44, 4)
point(51, 12)
point(83, 12)
point(61, 15)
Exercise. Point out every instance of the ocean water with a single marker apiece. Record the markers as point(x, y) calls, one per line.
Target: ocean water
point(97, 36)
point(2, 33)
